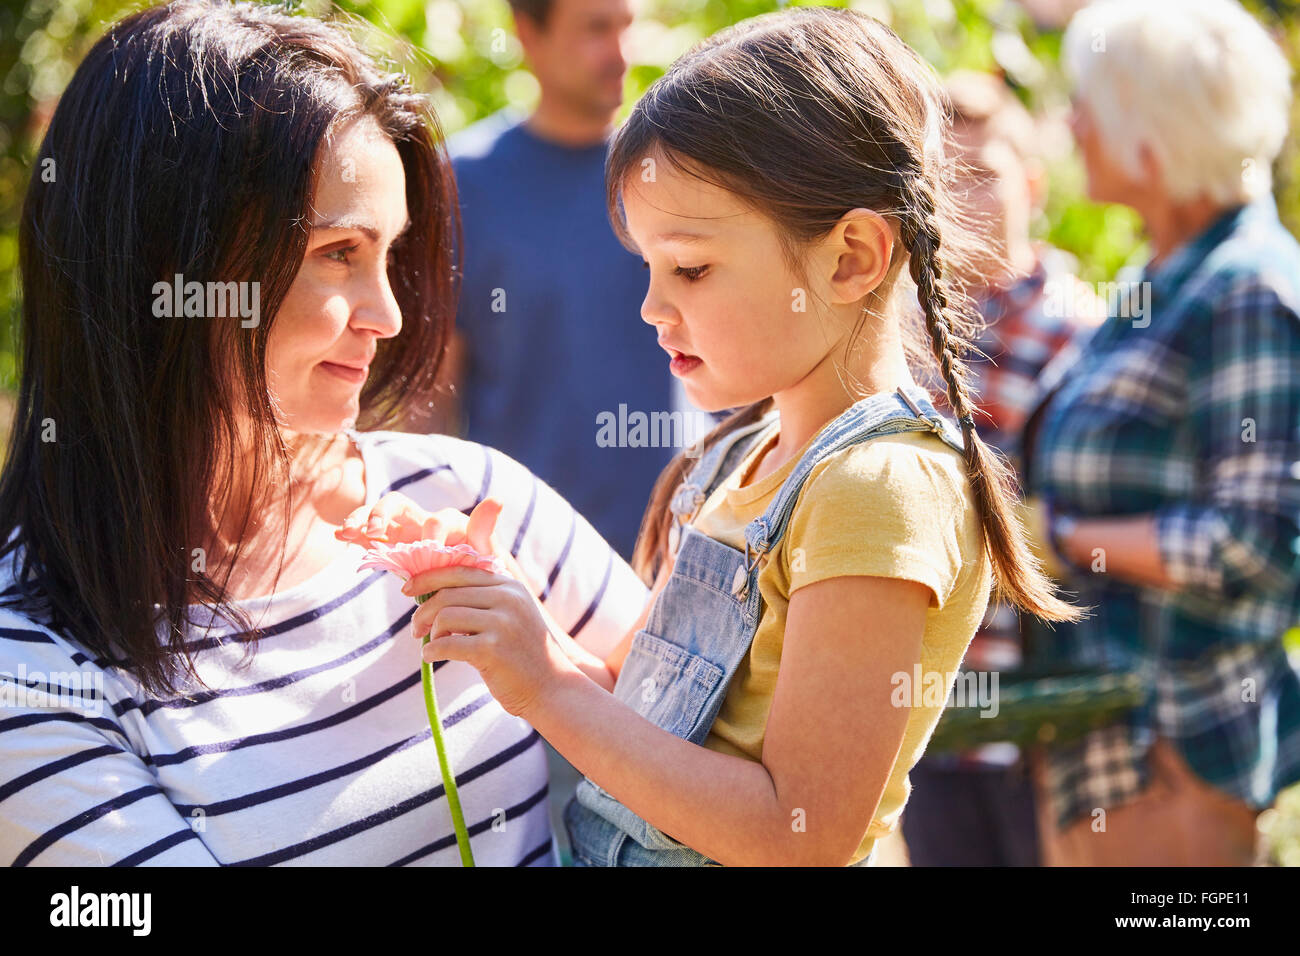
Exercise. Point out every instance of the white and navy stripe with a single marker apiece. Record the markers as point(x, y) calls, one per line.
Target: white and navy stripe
point(316, 751)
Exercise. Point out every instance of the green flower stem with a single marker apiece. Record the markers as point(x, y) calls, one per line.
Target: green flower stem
point(448, 778)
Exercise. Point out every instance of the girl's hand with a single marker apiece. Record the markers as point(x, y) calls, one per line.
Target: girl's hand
point(492, 623)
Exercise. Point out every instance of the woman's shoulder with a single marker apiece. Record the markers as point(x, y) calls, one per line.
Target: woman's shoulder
point(457, 468)
point(30, 650)
point(1259, 258)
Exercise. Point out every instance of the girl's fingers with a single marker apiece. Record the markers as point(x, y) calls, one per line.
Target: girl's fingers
point(453, 620)
point(452, 577)
point(453, 647)
point(449, 599)
point(394, 518)
point(434, 529)
point(351, 527)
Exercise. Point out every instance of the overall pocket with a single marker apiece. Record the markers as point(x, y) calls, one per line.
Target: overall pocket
point(666, 684)
point(670, 687)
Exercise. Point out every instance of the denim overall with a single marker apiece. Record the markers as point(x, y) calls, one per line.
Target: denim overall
point(703, 622)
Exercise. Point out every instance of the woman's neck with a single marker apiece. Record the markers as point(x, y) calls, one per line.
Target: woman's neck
point(326, 481)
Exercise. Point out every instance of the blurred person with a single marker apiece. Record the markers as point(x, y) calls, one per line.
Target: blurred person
point(976, 808)
point(1165, 467)
point(549, 338)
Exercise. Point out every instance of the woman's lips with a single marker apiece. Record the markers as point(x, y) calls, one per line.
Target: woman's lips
point(354, 376)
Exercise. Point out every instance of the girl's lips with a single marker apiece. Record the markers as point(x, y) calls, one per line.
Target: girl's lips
point(683, 364)
point(349, 374)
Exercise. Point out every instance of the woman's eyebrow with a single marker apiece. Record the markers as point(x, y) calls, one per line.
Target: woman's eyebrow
point(360, 225)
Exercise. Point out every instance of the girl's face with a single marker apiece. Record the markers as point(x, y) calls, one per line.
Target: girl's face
point(736, 323)
point(340, 303)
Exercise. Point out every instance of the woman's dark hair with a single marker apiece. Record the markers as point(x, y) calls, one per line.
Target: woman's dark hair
point(806, 114)
point(187, 142)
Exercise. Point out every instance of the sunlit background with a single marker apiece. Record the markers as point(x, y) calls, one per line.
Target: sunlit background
point(465, 54)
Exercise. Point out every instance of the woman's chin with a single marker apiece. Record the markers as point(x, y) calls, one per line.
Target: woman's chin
point(318, 424)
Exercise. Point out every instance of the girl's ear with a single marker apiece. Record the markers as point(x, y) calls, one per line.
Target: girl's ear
point(859, 249)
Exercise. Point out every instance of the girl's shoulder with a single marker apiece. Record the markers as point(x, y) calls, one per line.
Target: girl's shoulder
point(912, 467)
point(898, 505)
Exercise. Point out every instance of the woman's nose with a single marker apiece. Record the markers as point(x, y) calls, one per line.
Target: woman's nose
point(379, 312)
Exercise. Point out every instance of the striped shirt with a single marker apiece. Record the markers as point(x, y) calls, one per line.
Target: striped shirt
point(318, 751)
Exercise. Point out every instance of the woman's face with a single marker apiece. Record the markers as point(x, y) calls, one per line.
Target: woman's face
point(340, 303)
point(1107, 180)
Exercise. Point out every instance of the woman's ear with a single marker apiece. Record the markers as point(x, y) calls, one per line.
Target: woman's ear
point(859, 249)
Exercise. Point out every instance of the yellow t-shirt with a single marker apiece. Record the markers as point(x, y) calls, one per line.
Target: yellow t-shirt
point(897, 506)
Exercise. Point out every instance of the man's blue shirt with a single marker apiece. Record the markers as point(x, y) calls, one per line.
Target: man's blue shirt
point(550, 308)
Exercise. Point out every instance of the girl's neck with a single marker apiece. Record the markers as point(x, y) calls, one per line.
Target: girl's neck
point(877, 364)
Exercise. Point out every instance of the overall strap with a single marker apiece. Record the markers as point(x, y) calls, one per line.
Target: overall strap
point(885, 414)
point(714, 465)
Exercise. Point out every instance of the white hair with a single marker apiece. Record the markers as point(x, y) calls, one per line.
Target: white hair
point(1199, 81)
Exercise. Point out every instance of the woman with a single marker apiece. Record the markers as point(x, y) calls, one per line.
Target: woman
point(1166, 464)
point(245, 251)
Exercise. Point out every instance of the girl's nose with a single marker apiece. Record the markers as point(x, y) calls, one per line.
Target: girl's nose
point(656, 311)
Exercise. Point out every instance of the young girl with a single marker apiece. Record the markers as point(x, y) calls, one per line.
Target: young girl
point(836, 541)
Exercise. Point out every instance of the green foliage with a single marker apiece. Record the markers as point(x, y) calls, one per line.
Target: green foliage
point(465, 54)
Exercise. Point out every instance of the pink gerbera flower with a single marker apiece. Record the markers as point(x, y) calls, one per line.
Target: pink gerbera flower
point(409, 560)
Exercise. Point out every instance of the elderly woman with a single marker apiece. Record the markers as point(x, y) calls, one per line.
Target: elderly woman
point(1166, 466)
point(243, 251)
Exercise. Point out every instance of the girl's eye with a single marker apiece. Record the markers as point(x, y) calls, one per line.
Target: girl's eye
point(690, 275)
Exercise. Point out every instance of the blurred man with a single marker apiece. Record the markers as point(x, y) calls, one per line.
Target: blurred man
point(550, 337)
point(976, 808)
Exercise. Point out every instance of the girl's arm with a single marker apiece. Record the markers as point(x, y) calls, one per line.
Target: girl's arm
point(605, 671)
point(832, 734)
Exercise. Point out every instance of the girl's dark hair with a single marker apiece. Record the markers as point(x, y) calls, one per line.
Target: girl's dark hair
point(187, 142)
point(806, 114)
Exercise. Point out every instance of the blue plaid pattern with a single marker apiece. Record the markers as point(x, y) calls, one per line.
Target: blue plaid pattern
point(1189, 411)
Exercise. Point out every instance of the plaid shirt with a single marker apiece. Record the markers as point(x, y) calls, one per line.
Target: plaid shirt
point(1189, 411)
point(1034, 322)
